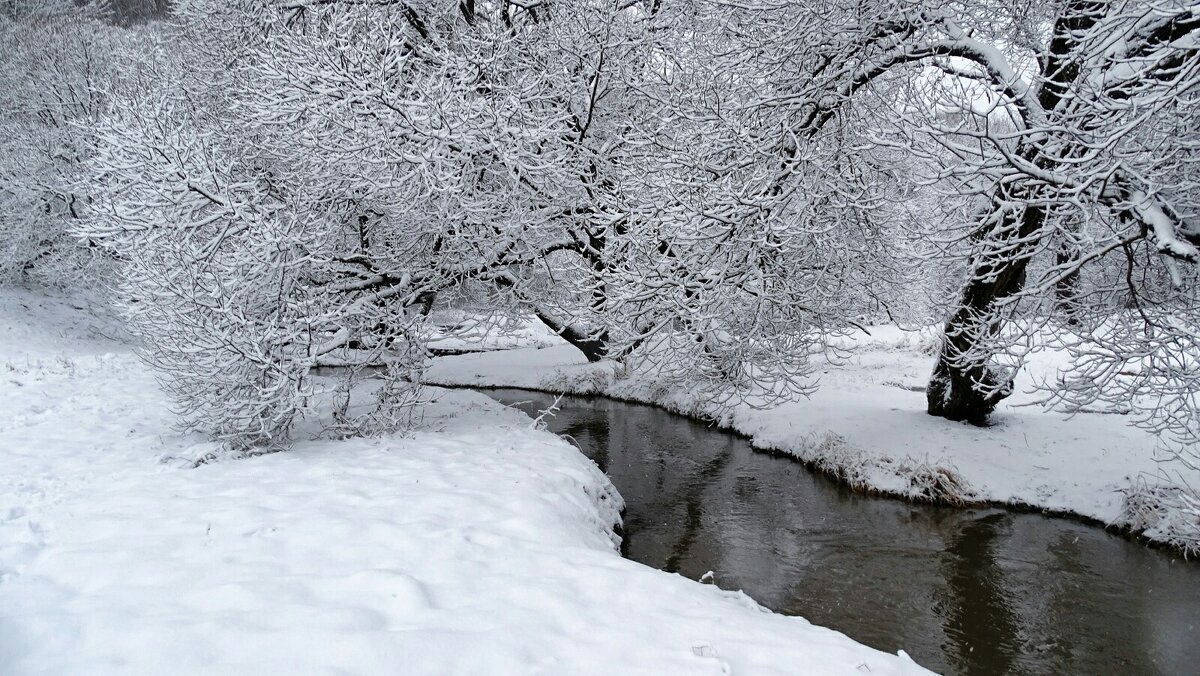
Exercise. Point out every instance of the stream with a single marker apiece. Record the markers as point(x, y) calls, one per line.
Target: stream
point(963, 591)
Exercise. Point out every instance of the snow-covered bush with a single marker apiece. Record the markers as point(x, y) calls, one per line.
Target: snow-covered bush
point(1169, 515)
point(237, 275)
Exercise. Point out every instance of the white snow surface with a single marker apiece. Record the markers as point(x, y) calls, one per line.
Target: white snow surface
point(867, 425)
point(460, 330)
point(476, 545)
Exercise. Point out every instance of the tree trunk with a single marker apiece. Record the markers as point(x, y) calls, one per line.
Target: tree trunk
point(963, 390)
point(1066, 290)
point(966, 385)
point(593, 346)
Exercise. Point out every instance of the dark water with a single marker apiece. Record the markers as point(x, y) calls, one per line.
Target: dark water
point(977, 591)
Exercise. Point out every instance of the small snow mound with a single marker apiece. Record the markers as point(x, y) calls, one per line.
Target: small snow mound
point(913, 479)
point(589, 379)
point(936, 484)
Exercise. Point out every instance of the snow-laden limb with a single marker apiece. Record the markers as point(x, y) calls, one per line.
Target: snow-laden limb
point(476, 545)
point(1144, 361)
point(1163, 228)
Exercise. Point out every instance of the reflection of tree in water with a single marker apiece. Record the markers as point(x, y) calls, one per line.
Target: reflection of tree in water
point(710, 473)
point(591, 425)
point(980, 626)
point(1068, 608)
point(652, 489)
point(591, 434)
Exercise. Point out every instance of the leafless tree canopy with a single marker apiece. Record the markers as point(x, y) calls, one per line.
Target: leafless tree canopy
point(705, 189)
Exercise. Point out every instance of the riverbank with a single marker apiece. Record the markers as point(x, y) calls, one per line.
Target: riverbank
point(963, 590)
point(866, 427)
point(474, 545)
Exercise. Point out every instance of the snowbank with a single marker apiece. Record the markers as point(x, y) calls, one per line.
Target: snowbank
point(476, 545)
point(867, 426)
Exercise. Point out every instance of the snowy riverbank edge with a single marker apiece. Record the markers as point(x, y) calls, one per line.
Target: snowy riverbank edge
point(866, 427)
point(475, 545)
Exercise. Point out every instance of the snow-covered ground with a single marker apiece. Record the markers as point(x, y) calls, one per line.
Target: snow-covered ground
point(475, 545)
point(453, 330)
point(867, 425)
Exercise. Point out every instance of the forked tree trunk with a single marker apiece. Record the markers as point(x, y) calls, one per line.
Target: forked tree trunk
point(965, 385)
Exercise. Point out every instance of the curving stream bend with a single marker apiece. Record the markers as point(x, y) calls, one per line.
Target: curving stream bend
point(974, 591)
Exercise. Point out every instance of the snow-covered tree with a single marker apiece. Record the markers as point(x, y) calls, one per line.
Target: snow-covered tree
point(56, 63)
point(1066, 130)
point(319, 172)
point(705, 189)
point(238, 273)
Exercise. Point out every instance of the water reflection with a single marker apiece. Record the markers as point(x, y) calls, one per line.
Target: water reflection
point(981, 628)
point(963, 591)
